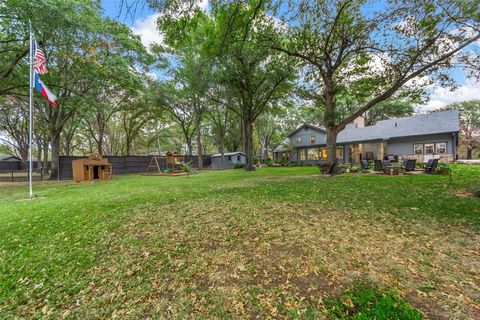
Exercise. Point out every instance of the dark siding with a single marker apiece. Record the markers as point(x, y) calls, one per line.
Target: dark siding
point(10, 165)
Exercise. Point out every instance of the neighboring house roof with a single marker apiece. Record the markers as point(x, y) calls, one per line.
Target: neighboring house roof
point(9, 158)
point(308, 126)
point(425, 124)
point(227, 154)
point(284, 146)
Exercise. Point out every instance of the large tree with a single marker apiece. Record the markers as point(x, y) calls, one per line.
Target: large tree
point(469, 124)
point(372, 49)
point(87, 56)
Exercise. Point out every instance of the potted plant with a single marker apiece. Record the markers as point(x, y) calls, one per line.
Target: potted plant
point(393, 170)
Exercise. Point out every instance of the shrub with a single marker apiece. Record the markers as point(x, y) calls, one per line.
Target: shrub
point(366, 301)
point(238, 166)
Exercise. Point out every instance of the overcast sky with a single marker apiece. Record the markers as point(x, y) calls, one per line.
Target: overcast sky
point(144, 25)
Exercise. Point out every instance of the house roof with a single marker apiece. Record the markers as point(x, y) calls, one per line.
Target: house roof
point(308, 126)
point(227, 154)
point(11, 158)
point(425, 124)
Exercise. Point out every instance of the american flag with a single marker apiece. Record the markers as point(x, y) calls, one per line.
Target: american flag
point(40, 61)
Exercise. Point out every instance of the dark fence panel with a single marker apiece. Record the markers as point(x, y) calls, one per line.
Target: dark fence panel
point(122, 164)
point(21, 176)
point(17, 165)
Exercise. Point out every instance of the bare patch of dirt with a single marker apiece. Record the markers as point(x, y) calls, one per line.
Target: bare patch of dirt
point(430, 308)
point(464, 193)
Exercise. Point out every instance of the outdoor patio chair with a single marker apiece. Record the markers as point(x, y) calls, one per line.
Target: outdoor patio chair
point(364, 164)
point(409, 165)
point(378, 165)
point(431, 165)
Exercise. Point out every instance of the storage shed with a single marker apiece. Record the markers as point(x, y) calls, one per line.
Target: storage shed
point(231, 159)
point(95, 167)
point(10, 163)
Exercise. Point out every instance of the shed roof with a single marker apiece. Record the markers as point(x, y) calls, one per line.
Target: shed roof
point(425, 124)
point(9, 158)
point(227, 154)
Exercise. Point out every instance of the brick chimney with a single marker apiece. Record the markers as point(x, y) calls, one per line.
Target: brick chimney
point(359, 122)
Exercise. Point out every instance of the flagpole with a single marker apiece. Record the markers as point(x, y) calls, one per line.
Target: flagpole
point(30, 114)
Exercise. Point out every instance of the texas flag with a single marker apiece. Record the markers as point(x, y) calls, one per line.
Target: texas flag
point(42, 88)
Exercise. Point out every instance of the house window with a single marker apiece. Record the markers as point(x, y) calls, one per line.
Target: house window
point(312, 139)
point(441, 147)
point(339, 152)
point(418, 148)
point(313, 154)
point(238, 158)
point(229, 158)
point(324, 153)
point(298, 139)
point(303, 154)
point(429, 148)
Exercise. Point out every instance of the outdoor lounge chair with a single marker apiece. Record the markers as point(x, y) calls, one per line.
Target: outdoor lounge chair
point(431, 165)
point(364, 165)
point(409, 165)
point(378, 165)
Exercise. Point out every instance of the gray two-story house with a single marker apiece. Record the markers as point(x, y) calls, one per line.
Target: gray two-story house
point(420, 137)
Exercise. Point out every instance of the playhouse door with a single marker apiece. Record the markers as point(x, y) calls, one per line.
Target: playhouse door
point(95, 172)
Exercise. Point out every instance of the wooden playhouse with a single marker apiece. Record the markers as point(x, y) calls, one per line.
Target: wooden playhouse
point(93, 168)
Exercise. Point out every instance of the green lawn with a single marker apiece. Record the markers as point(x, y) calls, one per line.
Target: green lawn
point(278, 242)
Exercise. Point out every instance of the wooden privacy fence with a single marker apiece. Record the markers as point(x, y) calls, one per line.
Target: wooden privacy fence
point(122, 164)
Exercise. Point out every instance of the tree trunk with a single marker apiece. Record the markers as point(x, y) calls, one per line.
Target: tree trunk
point(23, 153)
point(100, 143)
point(55, 142)
point(331, 151)
point(329, 120)
point(222, 148)
point(199, 143)
point(39, 157)
point(45, 167)
point(469, 153)
point(189, 145)
point(248, 143)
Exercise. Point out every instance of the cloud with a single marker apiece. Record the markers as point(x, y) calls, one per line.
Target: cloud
point(147, 30)
point(440, 97)
point(203, 5)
